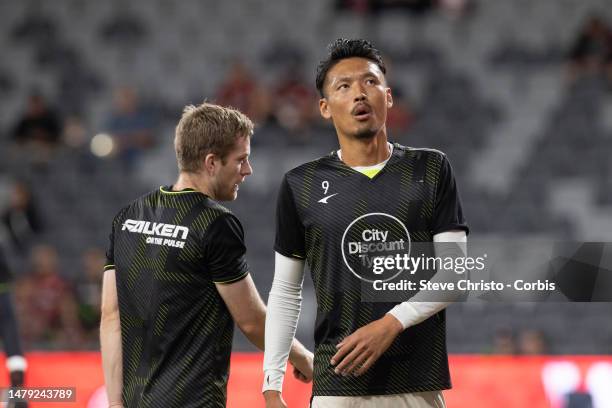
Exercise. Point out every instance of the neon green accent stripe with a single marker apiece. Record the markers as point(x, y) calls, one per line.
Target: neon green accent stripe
point(371, 172)
point(185, 191)
point(107, 267)
point(297, 256)
point(232, 280)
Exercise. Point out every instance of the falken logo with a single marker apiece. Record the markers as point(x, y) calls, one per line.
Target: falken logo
point(158, 232)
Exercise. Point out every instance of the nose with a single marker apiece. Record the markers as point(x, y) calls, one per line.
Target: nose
point(247, 170)
point(360, 95)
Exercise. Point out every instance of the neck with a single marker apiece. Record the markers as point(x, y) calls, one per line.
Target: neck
point(195, 181)
point(368, 152)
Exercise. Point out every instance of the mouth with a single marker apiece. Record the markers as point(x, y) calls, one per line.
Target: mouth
point(362, 112)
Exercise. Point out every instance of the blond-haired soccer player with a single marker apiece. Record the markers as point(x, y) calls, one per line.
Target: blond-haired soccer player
point(176, 278)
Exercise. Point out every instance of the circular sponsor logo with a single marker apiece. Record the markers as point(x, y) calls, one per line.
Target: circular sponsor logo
point(376, 246)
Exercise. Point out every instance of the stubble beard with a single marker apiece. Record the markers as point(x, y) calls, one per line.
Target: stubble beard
point(365, 134)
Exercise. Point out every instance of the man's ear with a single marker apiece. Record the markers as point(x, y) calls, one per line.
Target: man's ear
point(324, 108)
point(389, 98)
point(211, 163)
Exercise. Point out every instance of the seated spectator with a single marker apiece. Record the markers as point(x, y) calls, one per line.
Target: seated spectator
point(294, 102)
point(503, 342)
point(591, 53)
point(39, 130)
point(89, 290)
point(532, 342)
point(400, 117)
point(240, 91)
point(130, 125)
point(20, 220)
point(46, 304)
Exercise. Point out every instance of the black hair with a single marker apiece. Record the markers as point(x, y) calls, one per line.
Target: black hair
point(342, 49)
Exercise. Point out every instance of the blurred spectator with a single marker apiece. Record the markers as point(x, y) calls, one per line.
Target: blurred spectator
point(503, 342)
point(457, 9)
point(130, 125)
point(46, 304)
point(294, 102)
point(591, 53)
point(400, 117)
point(39, 130)
point(532, 342)
point(416, 7)
point(34, 28)
point(240, 90)
point(124, 28)
point(89, 290)
point(21, 218)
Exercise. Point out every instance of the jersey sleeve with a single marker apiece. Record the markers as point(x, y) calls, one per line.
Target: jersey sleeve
point(225, 251)
point(290, 232)
point(110, 249)
point(448, 212)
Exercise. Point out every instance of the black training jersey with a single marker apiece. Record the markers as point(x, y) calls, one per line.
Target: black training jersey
point(328, 214)
point(169, 249)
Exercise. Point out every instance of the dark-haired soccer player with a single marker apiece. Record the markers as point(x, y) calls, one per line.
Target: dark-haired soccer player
point(16, 363)
point(176, 278)
point(367, 354)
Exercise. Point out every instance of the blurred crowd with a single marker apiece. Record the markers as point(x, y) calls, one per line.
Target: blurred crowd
point(60, 309)
point(53, 310)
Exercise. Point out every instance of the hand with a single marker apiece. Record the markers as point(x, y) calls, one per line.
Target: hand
point(359, 351)
point(303, 366)
point(274, 399)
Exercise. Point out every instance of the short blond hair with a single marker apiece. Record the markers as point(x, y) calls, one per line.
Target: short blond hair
point(208, 128)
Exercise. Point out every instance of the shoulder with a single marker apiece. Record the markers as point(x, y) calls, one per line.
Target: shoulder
point(305, 172)
point(134, 205)
point(212, 212)
point(420, 152)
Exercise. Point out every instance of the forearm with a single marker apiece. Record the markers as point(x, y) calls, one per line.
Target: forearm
point(255, 330)
point(112, 363)
point(284, 304)
point(450, 244)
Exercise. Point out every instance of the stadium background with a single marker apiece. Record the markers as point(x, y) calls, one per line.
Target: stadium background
point(517, 93)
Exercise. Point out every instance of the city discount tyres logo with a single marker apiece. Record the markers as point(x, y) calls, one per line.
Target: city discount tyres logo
point(376, 247)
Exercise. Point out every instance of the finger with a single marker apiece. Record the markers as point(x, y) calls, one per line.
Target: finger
point(346, 348)
point(366, 366)
point(342, 343)
point(358, 362)
point(346, 361)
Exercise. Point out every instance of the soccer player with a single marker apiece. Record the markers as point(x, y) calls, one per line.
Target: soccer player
point(16, 363)
point(176, 278)
point(367, 354)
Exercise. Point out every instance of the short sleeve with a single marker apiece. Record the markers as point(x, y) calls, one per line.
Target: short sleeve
point(290, 231)
point(448, 212)
point(225, 251)
point(110, 249)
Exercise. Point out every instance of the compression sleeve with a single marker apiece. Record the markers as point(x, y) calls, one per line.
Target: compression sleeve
point(284, 303)
point(411, 312)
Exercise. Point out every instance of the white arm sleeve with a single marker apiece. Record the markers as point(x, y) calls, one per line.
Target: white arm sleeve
point(284, 305)
point(410, 313)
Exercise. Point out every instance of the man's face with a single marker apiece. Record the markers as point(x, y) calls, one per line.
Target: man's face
point(229, 175)
point(356, 98)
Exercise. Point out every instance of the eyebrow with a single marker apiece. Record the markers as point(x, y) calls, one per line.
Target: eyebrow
point(348, 78)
